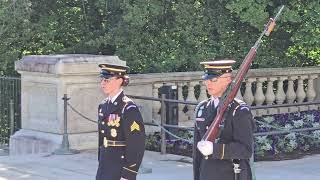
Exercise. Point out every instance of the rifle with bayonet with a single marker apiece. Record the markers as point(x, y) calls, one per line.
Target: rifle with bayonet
point(214, 130)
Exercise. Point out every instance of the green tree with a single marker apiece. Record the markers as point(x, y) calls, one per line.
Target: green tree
point(52, 27)
point(13, 19)
point(305, 48)
point(172, 35)
point(296, 40)
point(160, 36)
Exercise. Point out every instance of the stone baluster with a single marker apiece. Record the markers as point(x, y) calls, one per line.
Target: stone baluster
point(311, 93)
point(156, 105)
point(203, 91)
point(248, 95)
point(301, 95)
point(290, 95)
point(270, 96)
point(191, 97)
point(239, 95)
point(182, 115)
point(280, 94)
point(259, 96)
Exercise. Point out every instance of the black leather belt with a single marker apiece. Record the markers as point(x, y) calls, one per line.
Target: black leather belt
point(110, 143)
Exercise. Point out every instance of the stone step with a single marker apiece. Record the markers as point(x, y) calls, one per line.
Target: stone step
point(20, 145)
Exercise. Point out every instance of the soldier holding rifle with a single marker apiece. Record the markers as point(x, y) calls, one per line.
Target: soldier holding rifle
point(223, 134)
point(231, 152)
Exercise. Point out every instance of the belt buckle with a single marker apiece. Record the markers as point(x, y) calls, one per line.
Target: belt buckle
point(105, 142)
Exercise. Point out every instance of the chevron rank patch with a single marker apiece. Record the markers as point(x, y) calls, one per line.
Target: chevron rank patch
point(135, 126)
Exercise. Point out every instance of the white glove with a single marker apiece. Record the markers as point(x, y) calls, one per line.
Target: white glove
point(123, 178)
point(205, 147)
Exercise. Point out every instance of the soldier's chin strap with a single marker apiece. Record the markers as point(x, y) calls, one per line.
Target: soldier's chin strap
point(236, 168)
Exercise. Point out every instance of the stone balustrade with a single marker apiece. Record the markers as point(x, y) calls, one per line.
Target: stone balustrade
point(260, 87)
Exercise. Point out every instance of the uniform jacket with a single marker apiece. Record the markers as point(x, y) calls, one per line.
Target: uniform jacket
point(235, 142)
point(120, 121)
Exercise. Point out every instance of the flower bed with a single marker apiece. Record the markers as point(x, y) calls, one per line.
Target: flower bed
point(293, 145)
point(272, 147)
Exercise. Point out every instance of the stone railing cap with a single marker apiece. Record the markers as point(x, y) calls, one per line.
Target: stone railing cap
point(65, 63)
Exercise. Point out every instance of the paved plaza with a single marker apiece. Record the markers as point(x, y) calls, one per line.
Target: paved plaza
point(83, 166)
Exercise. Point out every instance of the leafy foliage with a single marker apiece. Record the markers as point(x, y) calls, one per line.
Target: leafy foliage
point(160, 36)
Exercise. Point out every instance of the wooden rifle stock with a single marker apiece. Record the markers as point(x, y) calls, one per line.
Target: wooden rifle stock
point(214, 130)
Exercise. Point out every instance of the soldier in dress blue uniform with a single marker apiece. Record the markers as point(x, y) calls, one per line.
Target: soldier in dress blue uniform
point(219, 160)
point(121, 128)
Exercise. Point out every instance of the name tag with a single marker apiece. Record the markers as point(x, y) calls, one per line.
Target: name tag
point(200, 119)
